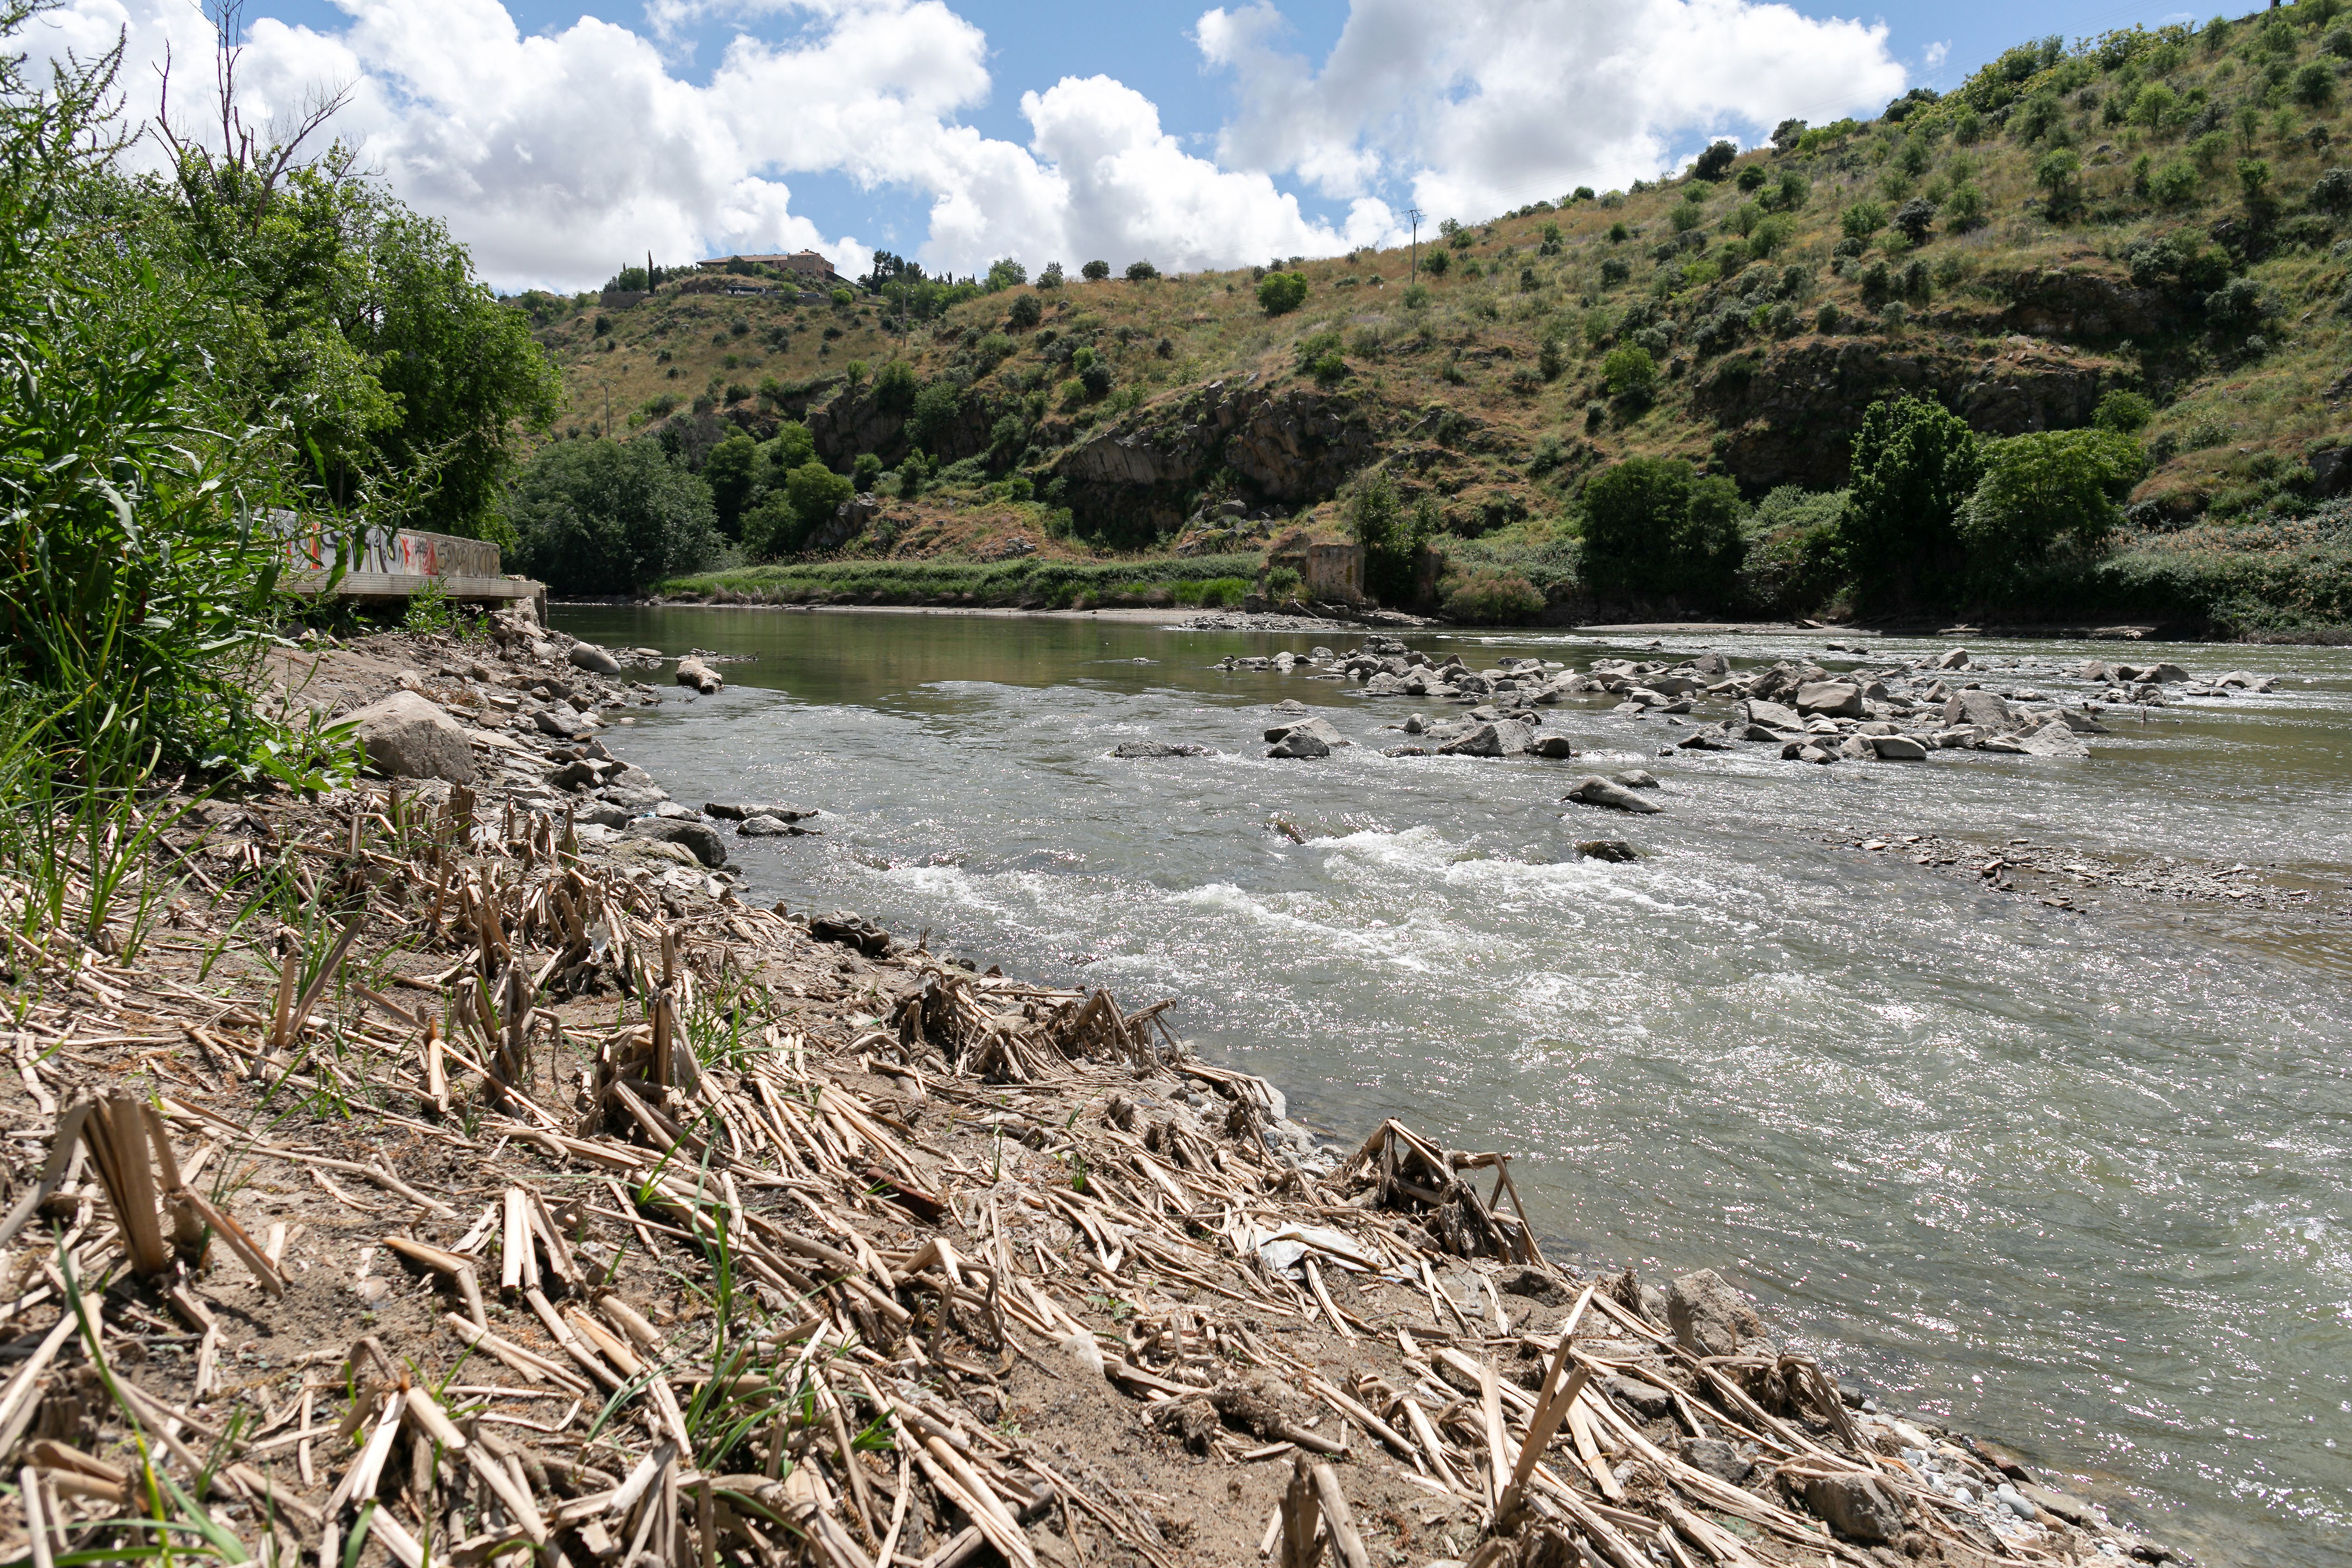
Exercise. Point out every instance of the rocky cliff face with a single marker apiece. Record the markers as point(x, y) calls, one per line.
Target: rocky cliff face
point(1293, 448)
point(1789, 416)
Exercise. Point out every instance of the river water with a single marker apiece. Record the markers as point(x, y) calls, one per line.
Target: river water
point(2075, 1180)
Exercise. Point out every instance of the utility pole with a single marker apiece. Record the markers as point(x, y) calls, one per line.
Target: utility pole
point(1412, 271)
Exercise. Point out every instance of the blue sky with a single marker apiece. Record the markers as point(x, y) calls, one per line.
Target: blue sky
point(556, 141)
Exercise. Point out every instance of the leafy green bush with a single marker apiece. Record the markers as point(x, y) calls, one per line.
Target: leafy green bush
point(787, 515)
point(1392, 541)
point(1436, 261)
point(936, 408)
point(1279, 293)
point(1491, 599)
point(609, 517)
point(1629, 371)
point(1284, 584)
point(2123, 411)
point(1216, 592)
point(1652, 526)
point(1862, 220)
point(865, 471)
point(731, 470)
point(2042, 490)
point(1913, 463)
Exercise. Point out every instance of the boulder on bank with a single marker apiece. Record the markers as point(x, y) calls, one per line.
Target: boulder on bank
point(693, 672)
point(1854, 1506)
point(559, 720)
point(744, 811)
point(406, 736)
point(1595, 790)
point(1898, 749)
point(589, 656)
point(692, 834)
point(1708, 1316)
point(1771, 715)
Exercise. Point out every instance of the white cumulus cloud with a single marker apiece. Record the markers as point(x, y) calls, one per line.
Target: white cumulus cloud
point(1480, 105)
point(558, 155)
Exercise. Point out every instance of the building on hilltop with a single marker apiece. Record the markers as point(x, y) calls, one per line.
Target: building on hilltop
point(802, 266)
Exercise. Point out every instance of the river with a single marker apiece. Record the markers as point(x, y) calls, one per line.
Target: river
point(2075, 1181)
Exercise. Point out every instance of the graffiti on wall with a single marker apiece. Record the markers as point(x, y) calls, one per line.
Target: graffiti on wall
point(311, 545)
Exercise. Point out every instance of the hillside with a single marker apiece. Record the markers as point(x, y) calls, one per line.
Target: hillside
point(2160, 212)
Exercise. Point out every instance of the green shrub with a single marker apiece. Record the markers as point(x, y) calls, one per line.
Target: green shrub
point(1095, 271)
point(1025, 313)
point(732, 472)
point(1436, 261)
point(1491, 599)
point(2314, 85)
point(1652, 526)
point(1913, 463)
point(2173, 184)
point(1141, 272)
point(1862, 220)
point(2043, 490)
point(1284, 584)
point(2125, 412)
point(936, 409)
point(1279, 293)
point(609, 517)
point(864, 472)
point(1716, 161)
point(1215, 593)
point(1392, 541)
point(1629, 371)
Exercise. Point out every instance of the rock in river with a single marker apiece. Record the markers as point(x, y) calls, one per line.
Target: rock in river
point(1614, 850)
point(2055, 739)
point(1595, 790)
point(1838, 699)
point(1158, 749)
point(1986, 710)
point(744, 811)
point(692, 671)
point(1899, 749)
point(1499, 738)
point(1307, 738)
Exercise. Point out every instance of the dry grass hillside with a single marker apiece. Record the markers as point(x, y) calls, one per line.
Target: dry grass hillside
point(2161, 212)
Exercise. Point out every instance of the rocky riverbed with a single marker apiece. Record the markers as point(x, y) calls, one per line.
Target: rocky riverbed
point(1900, 713)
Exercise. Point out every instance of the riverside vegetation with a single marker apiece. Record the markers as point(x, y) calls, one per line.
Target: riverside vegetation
point(2097, 297)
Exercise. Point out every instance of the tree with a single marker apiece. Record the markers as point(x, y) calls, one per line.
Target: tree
point(1052, 277)
point(1025, 313)
point(1279, 293)
point(2058, 172)
point(1004, 273)
point(1629, 371)
point(1095, 271)
point(1141, 272)
point(732, 472)
point(1652, 526)
point(1862, 220)
point(894, 387)
point(609, 517)
point(935, 411)
point(2128, 413)
point(787, 515)
point(2042, 490)
point(1392, 541)
point(1716, 161)
point(2314, 85)
point(864, 472)
point(1787, 134)
point(1913, 465)
point(1915, 218)
point(2172, 184)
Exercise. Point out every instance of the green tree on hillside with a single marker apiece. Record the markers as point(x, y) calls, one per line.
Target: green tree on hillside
point(732, 472)
point(2044, 491)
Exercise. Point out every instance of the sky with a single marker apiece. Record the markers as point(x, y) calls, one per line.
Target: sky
point(558, 144)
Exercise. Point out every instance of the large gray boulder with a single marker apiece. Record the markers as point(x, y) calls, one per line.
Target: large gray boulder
point(594, 660)
point(1595, 790)
point(1957, 659)
point(559, 720)
point(1708, 1316)
point(2055, 739)
point(696, 837)
point(1306, 738)
point(1855, 1506)
point(1838, 699)
point(1772, 715)
point(1898, 749)
point(1986, 710)
point(410, 737)
point(1500, 738)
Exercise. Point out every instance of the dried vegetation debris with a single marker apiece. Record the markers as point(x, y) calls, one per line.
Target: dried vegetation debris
point(497, 1199)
